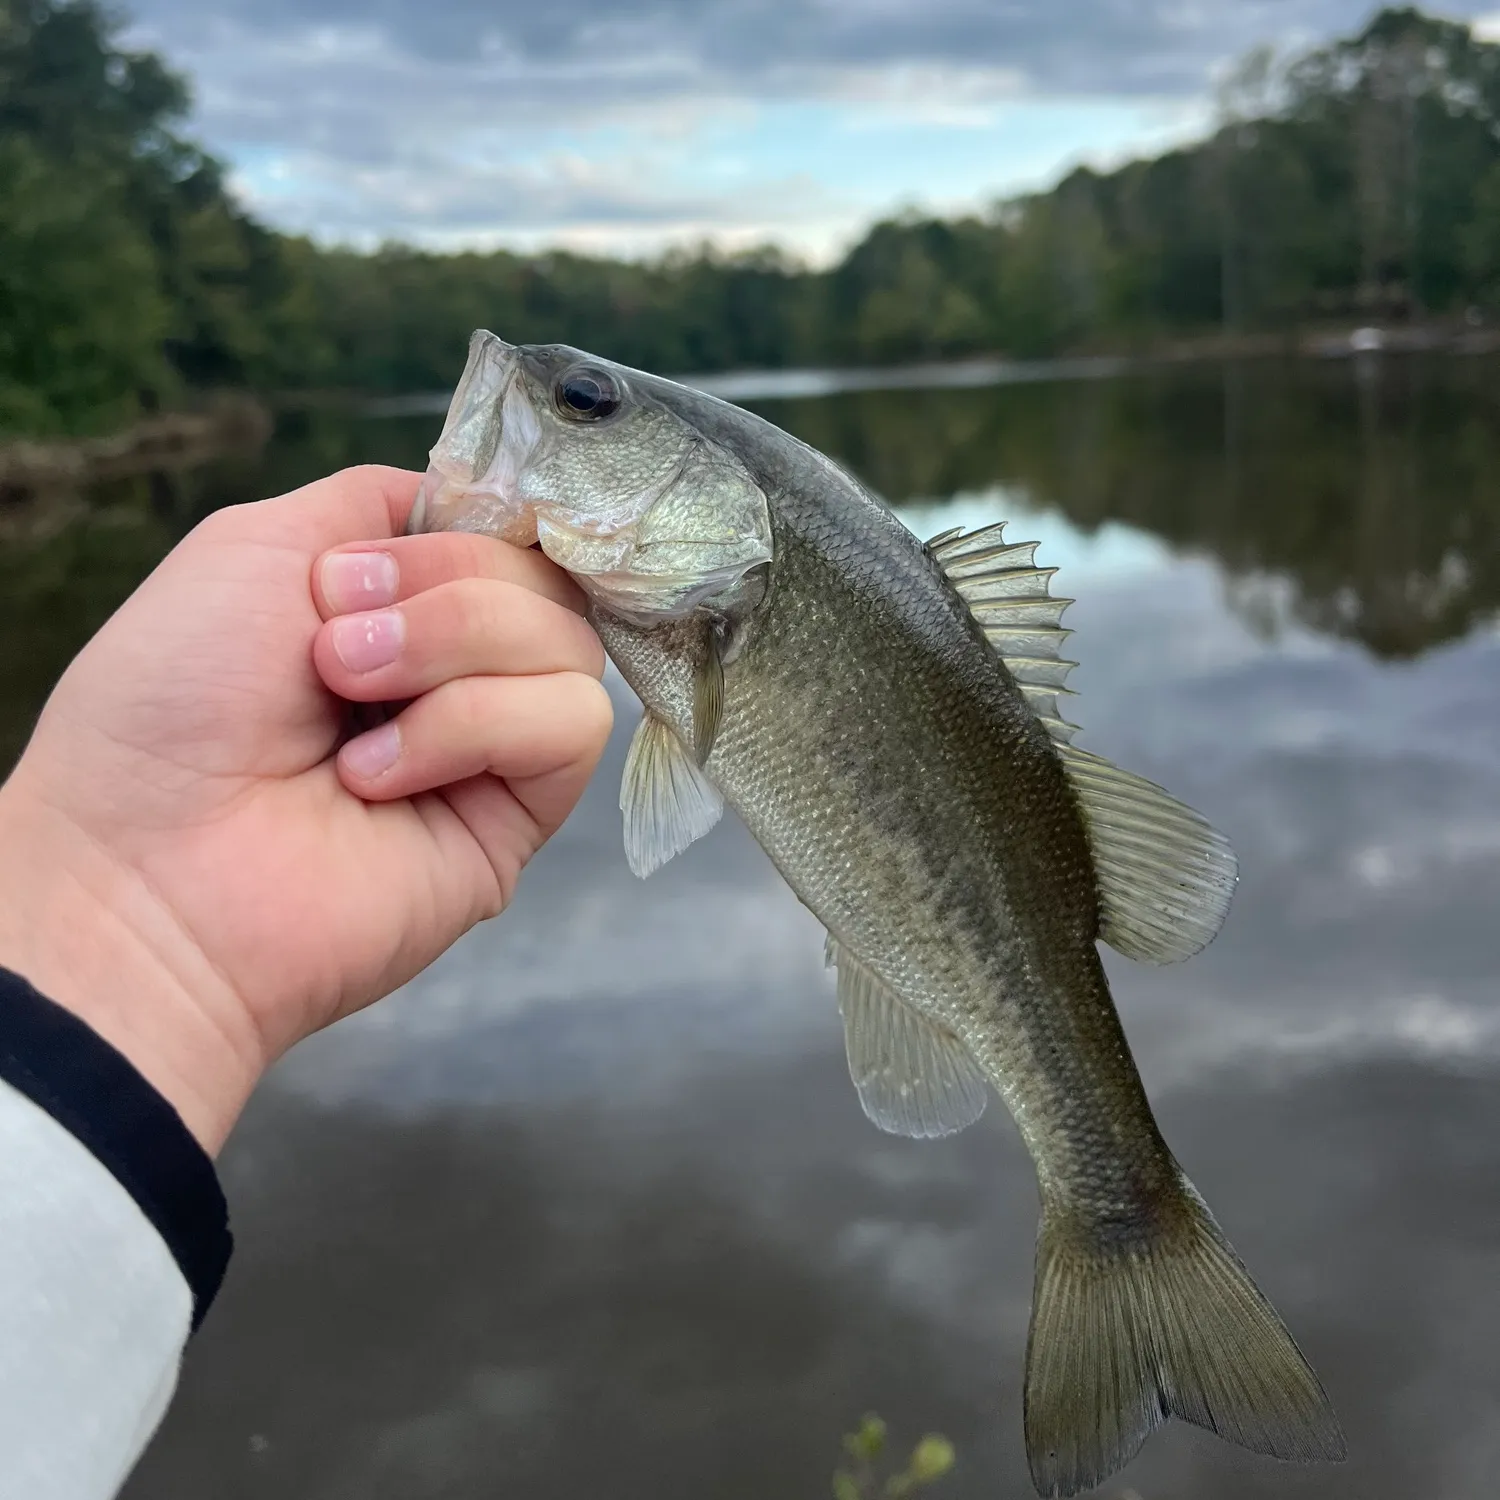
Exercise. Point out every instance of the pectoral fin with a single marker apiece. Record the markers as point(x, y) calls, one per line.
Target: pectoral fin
point(667, 801)
point(708, 695)
point(913, 1077)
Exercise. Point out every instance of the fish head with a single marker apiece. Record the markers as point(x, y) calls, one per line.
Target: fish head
point(546, 445)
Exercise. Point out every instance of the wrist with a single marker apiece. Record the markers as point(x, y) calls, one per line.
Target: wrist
point(91, 935)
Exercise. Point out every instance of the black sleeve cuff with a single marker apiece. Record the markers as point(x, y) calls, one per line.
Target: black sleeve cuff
point(66, 1068)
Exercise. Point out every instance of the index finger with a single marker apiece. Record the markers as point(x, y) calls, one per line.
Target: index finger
point(372, 500)
point(432, 558)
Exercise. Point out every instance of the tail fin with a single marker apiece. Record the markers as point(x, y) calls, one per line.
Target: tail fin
point(1124, 1335)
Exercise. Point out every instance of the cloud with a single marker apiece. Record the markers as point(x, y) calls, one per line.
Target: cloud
point(659, 118)
point(564, 198)
point(580, 54)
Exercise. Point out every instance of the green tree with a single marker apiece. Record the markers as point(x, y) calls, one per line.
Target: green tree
point(1359, 179)
point(82, 315)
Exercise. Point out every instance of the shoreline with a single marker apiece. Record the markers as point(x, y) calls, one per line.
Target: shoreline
point(170, 440)
point(233, 420)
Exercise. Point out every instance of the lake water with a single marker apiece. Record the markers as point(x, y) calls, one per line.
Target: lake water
point(590, 1209)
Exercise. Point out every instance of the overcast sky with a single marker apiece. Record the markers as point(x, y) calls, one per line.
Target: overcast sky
point(627, 125)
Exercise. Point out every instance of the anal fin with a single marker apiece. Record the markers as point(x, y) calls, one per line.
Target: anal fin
point(913, 1078)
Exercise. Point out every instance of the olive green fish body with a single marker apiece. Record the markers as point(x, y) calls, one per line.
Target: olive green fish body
point(881, 715)
point(878, 750)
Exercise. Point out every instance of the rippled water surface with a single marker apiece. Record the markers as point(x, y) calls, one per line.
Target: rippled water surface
point(591, 1209)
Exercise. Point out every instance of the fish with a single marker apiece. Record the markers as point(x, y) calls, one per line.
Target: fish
point(884, 715)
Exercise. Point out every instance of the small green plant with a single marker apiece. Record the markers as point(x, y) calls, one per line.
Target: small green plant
point(861, 1478)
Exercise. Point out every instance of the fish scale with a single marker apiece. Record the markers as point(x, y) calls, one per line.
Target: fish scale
point(882, 716)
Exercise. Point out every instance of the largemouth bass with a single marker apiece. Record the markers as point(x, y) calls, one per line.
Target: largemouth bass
point(883, 715)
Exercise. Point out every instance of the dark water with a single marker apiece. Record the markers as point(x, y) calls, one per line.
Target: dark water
point(591, 1208)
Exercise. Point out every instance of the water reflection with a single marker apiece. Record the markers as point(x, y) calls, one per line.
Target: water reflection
point(590, 1208)
point(1374, 489)
point(582, 1302)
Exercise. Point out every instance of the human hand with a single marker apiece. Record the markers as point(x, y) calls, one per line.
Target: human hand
point(189, 860)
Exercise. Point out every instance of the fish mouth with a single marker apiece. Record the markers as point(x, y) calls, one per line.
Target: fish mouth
point(474, 476)
point(489, 432)
point(473, 483)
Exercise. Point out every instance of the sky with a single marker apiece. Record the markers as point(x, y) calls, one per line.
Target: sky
point(628, 126)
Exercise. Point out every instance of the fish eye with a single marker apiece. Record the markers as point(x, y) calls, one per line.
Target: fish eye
point(586, 393)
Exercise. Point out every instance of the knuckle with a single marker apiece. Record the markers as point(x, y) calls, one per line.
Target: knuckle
point(364, 475)
point(483, 556)
point(593, 710)
point(598, 661)
point(463, 556)
point(221, 523)
point(585, 649)
point(506, 866)
point(471, 705)
point(470, 609)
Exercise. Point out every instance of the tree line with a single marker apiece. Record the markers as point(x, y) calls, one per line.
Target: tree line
point(1360, 179)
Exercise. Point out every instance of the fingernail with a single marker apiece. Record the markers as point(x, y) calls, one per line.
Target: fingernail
point(373, 754)
point(359, 580)
point(364, 642)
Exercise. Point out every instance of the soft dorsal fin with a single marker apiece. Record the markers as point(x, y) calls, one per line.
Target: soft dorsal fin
point(667, 801)
point(1008, 594)
point(913, 1077)
point(1165, 875)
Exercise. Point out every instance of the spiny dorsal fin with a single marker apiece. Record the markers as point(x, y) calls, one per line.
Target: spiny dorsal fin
point(1165, 873)
point(1008, 594)
point(667, 801)
point(913, 1077)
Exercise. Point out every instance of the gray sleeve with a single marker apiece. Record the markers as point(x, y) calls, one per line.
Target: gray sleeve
point(94, 1314)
